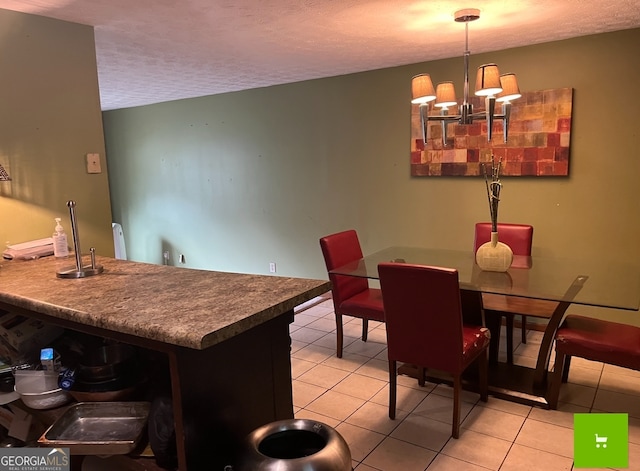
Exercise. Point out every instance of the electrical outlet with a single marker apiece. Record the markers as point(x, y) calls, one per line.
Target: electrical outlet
point(93, 163)
point(182, 260)
point(272, 267)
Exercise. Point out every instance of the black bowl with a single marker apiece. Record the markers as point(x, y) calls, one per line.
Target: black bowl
point(107, 362)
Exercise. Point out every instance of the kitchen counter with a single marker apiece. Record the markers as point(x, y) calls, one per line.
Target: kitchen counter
point(178, 306)
point(226, 337)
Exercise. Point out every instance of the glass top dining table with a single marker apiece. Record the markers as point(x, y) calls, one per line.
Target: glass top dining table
point(566, 281)
point(595, 283)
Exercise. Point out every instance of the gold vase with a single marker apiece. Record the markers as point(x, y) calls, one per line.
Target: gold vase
point(494, 255)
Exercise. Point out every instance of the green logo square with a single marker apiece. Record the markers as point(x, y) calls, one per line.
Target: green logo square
point(601, 440)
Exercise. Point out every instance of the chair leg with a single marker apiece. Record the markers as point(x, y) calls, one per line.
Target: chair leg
point(492, 321)
point(457, 386)
point(392, 388)
point(556, 380)
point(565, 369)
point(483, 376)
point(509, 322)
point(421, 371)
point(339, 335)
point(365, 329)
point(524, 329)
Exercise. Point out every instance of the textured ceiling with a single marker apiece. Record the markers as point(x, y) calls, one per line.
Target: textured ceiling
point(151, 51)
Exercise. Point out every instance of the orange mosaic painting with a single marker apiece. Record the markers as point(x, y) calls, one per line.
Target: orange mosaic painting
point(538, 145)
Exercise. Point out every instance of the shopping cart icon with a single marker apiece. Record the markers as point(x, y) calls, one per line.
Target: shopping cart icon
point(601, 441)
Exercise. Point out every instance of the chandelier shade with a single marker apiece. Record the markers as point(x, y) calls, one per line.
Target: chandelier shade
point(422, 89)
point(445, 95)
point(488, 80)
point(510, 90)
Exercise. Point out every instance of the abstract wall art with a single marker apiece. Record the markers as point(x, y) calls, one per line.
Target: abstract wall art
point(538, 144)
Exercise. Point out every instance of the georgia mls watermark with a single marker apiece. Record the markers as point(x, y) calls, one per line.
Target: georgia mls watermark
point(35, 459)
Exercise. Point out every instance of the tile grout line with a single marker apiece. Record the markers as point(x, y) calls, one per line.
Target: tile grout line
point(368, 355)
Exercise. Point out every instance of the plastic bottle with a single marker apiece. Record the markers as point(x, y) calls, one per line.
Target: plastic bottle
point(60, 246)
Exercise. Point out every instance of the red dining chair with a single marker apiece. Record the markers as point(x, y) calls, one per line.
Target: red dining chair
point(520, 238)
point(352, 296)
point(423, 314)
point(593, 339)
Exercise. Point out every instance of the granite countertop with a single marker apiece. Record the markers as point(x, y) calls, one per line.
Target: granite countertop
point(178, 306)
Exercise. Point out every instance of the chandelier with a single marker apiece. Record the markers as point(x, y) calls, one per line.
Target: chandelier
point(489, 83)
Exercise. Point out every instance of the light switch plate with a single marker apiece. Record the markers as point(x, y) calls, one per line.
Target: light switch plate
point(93, 163)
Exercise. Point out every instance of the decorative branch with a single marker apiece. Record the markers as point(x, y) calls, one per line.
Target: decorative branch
point(493, 190)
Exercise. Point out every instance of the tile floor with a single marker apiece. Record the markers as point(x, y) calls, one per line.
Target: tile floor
point(350, 394)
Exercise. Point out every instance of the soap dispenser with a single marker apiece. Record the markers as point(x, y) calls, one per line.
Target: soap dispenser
point(60, 246)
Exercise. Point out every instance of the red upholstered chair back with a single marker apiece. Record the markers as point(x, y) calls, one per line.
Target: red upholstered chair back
point(423, 315)
point(339, 249)
point(517, 236)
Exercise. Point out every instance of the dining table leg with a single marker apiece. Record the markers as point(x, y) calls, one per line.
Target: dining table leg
point(472, 308)
point(544, 354)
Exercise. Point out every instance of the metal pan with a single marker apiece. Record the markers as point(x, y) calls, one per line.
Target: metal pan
point(99, 428)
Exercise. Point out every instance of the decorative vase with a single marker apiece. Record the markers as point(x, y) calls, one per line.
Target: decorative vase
point(494, 255)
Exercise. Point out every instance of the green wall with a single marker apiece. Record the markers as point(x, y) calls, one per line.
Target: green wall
point(50, 120)
point(235, 181)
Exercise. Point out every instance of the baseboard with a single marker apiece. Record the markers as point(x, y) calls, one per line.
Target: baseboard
point(312, 302)
point(530, 325)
